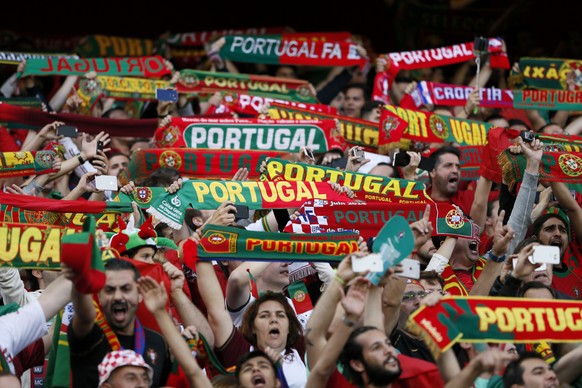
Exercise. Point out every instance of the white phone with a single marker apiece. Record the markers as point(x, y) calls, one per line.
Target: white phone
point(410, 269)
point(538, 269)
point(106, 182)
point(546, 254)
point(372, 262)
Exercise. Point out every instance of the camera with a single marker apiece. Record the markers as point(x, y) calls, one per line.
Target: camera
point(358, 154)
point(527, 137)
point(481, 45)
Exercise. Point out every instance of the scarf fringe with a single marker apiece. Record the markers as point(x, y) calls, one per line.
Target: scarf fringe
point(172, 224)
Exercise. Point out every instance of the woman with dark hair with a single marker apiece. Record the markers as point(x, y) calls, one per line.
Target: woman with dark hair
point(269, 324)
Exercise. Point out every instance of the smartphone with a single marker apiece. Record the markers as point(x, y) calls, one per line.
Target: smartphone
point(106, 182)
point(67, 131)
point(358, 154)
point(527, 136)
point(100, 146)
point(410, 269)
point(241, 213)
point(546, 254)
point(307, 152)
point(542, 267)
point(481, 44)
point(372, 263)
point(339, 163)
point(402, 159)
point(167, 95)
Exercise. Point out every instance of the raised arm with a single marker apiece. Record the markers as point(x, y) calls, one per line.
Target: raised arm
point(155, 298)
point(84, 317)
point(479, 207)
point(353, 304)
point(186, 309)
point(211, 293)
point(238, 289)
point(320, 320)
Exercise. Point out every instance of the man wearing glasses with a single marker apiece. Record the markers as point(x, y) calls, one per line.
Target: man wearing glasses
point(406, 342)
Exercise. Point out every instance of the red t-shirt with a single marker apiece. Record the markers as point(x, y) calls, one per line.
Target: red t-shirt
point(415, 373)
point(463, 199)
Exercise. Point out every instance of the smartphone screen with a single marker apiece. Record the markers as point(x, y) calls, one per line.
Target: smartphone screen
point(67, 131)
point(167, 95)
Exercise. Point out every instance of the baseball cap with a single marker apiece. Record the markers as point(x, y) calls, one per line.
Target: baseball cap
point(120, 358)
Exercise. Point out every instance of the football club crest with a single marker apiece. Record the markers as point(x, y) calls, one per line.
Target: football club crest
point(170, 159)
point(44, 158)
point(571, 165)
point(439, 127)
point(188, 79)
point(389, 124)
point(454, 219)
point(170, 136)
point(143, 195)
point(299, 296)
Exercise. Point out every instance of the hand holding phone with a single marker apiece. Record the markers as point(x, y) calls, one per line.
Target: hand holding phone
point(308, 152)
point(358, 154)
point(100, 146)
point(371, 263)
point(527, 136)
point(167, 95)
point(106, 182)
point(67, 131)
point(548, 254)
point(241, 212)
point(410, 269)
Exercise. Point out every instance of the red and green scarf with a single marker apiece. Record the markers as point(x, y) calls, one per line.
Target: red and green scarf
point(434, 128)
point(63, 206)
point(24, 102)
point(228, 243)
point(149, 67)
point(318, 49)
point(251, 105)
point(120, 88)
point(558, 166)
point(114, 46)
point(22, 118)
point(421, 59)
point(366, 218)
point(26, 163)
point(197, 81)
point(250, 134)
point(197, 163)
point(34, 246)
point(486, 319)
point(545, 73)
point(365, 187)
point(209, 195)
point(14, 58)
point(354, 131)
point(548, 99)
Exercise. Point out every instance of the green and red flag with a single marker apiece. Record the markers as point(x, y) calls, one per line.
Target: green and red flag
point(250, 134)
point(24, 163)
point(325, 49)
point(228, 243)
point(147, 66)
point(197, 81)
point(197, 163)
point(114, 46)
point(486, 319)
point(546, 73)
point(354, 131)
point(251, 105)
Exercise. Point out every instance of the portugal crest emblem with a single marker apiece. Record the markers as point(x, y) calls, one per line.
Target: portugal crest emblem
point(169, 136)
point(571, 165)
point(455, 219)
point(439, 127)
point(170, 159)
point(299, 296)
point(143, 195)
point(389, 124)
